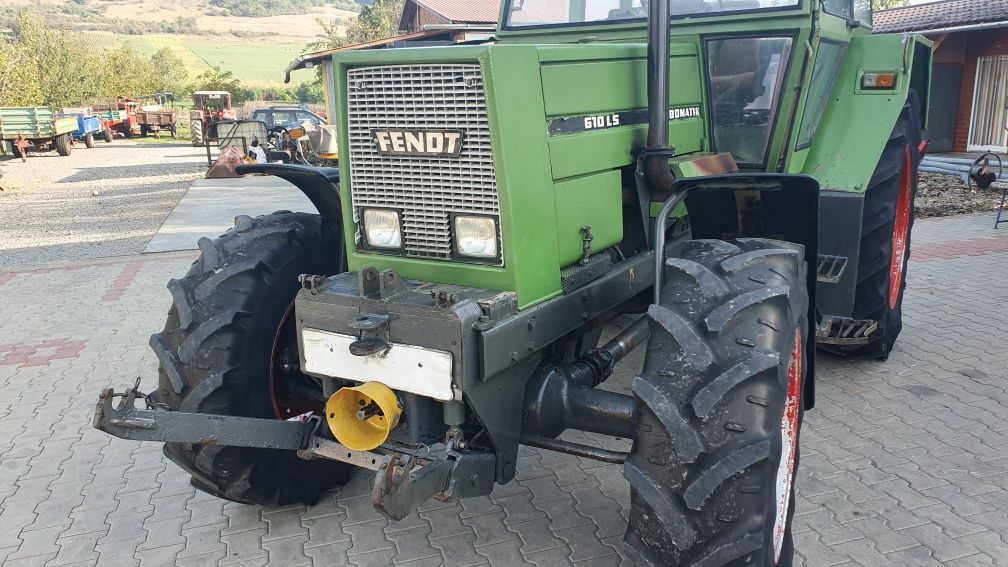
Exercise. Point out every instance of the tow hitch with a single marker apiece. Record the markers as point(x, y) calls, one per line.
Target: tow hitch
point(406, 476)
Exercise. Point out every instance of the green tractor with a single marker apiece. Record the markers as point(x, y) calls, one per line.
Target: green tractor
point(738, 175)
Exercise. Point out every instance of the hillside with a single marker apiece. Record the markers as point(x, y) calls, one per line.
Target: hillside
point(204, 33)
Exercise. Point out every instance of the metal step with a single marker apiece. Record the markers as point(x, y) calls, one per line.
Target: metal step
point(830, 268)
point(835, 330)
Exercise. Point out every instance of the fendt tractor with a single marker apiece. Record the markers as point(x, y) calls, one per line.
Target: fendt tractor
point(736, 175)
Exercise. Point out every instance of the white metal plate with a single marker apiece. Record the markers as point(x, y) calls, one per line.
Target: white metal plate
point(409, 368)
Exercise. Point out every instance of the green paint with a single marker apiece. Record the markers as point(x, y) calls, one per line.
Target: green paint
point(587, 201)
point(552, 184)
point(34, 122)
point(855, 124)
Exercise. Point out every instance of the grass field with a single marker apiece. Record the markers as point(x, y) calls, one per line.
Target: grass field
point(255, 50)
point(256, 63)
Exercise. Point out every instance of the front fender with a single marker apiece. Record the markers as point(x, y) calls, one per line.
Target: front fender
point(767, 205)
point(319, 184)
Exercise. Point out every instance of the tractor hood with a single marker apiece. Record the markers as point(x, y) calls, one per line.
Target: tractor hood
point(533, 136)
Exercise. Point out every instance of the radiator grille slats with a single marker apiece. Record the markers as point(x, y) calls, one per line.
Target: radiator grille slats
point(428, 189)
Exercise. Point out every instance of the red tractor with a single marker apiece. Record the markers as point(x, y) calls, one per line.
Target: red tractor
point(208, 107)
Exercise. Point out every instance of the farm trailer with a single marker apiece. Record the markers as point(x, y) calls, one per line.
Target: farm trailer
point(40, 125)
point(109, 119)
point(89, 125)
point(131, 117)
point(112, 120)
point(738, 175)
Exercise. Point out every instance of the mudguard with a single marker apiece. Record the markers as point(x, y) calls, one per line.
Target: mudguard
point(319, 184)
point(766, 205)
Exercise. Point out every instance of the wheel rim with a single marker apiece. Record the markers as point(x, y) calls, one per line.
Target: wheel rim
point(289, 387)
point(901, 231)
point(789, 444)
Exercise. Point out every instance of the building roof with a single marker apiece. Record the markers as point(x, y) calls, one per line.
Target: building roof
point(464, 11)
point(940, 15)
point(307, 60)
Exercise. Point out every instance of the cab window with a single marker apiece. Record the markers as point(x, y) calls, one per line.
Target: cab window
point(306, 117)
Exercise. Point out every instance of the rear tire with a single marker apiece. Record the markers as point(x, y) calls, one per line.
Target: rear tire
point(888, 212)
point(196, 127)
point(63, 143)
point(217, 352)
point(107, 135)
point(711, 470)
point(89, 140)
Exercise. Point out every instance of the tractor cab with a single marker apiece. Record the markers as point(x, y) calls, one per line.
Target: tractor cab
point(756, 74)
point(216, 104)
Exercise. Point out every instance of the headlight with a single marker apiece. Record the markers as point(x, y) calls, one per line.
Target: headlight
point(382, 228)
point(476, 237)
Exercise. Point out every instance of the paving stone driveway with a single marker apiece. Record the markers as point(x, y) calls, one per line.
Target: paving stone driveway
point(903, 462)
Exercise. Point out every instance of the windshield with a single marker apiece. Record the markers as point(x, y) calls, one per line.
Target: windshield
point(558, 12)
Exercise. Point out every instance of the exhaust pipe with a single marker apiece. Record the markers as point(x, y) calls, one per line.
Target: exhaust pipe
point(657, 150)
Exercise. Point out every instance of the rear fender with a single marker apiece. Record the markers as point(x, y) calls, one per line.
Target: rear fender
point(319, 184)
point(765, 205)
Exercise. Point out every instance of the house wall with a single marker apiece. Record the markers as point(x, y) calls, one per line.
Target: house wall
point(977, 44)
point(421, 17)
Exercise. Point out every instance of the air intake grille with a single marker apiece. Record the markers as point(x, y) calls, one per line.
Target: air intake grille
point(427, 189)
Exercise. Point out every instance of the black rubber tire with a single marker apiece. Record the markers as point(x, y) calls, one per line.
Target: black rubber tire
point(89, 140)
point(196, 128)
point(107, 135)
point(711, 397)
point(63, 144)
point(871, 296)
point(216, 348)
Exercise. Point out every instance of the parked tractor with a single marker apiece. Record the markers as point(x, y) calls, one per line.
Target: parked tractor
point(208, 107)
point(738, 177)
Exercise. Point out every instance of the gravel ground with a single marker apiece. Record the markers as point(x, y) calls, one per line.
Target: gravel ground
point(105, 201)
point(942, 195)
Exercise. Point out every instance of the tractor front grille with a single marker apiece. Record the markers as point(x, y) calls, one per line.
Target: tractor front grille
point(428, 190)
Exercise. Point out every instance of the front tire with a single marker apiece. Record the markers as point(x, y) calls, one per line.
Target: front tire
point(89, 140)
point(711, 470)
point(107, 135)
point(219, 351)
point(196, 128)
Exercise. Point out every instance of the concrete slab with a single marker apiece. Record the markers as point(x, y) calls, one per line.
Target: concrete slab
point(210, 206)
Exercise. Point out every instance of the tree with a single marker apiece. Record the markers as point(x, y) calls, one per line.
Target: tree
point(878, 5)
point(214, 79)
point(170, 70)
point(19, 84)
point(122, 72)
point(310, 92)
point(373, 22)
point(56, 63)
